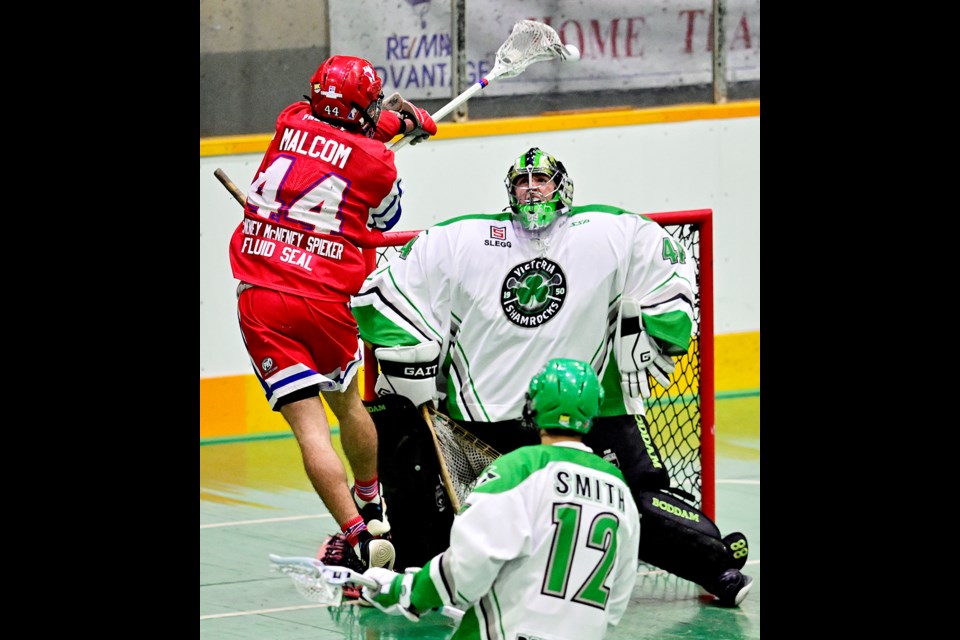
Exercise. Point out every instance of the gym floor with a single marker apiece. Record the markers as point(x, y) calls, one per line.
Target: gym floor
point(255, 500)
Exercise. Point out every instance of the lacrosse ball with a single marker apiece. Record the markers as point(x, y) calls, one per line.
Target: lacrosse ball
point(573, 54)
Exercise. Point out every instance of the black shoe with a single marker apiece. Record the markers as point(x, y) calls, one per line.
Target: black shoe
point(336, 552)
point(374, 514)
point(736, 544)
point(732, 587)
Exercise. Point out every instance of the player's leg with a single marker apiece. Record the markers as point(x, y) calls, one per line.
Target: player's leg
point(282, 337)
point(336, 350)
point(359, 438)
point(308, 421)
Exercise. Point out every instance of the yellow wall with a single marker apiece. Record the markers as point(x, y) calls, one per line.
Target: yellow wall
point(558, 121)
point(236, 406)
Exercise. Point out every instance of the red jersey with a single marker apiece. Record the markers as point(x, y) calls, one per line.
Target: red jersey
point(319, 194)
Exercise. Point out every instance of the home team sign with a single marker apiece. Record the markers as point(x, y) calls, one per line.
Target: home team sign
point(625, 44)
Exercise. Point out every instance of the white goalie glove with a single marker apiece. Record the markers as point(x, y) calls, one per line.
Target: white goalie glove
point(409, 371)
point(638, 355)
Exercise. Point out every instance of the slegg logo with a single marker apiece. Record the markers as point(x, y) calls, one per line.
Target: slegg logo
point(498, 238)
point(533, 292)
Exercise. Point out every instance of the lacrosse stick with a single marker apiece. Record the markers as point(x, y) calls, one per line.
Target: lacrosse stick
point(442, 460)
point(323, 583)
point(529, 42)
point(232, 188)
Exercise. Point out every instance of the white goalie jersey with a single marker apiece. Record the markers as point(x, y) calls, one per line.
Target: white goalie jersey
point(501, 301)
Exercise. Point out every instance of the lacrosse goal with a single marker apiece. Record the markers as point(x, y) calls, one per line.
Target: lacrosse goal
point(682, 417)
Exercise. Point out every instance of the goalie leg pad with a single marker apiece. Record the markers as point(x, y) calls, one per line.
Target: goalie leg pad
point(409, 371)
point(420, 512)
point(679, 538)
point(626, 442)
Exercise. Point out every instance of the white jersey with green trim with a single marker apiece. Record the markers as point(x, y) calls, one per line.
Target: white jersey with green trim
point(501, 301)
point(544, 547)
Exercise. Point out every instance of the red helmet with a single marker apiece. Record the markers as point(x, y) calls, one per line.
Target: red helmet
point(346, 92)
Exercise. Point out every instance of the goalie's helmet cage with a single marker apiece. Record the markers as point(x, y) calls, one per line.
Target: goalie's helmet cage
point(539, 215)
point(565, 394)
point(346, 92)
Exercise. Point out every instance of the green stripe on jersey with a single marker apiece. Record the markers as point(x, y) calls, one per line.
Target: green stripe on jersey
point(510, 470)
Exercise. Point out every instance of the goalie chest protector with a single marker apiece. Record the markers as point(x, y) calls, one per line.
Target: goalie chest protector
point(418, 509)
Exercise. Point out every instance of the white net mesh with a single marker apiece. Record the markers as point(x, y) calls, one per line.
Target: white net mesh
point(314, 589)
point(529, 42)
point(465, 454)
point(307, 580)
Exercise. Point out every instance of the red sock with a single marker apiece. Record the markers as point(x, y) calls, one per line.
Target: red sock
point(367, 490)
point(351, 530)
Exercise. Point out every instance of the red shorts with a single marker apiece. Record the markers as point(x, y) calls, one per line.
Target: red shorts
point(295, 342)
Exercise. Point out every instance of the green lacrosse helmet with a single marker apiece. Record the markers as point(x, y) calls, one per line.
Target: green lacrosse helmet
point(565, 394)
point(541, 214)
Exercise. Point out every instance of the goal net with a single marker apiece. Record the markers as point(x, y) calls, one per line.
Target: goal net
point(681, 417)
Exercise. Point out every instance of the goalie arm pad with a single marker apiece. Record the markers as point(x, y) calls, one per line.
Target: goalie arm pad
point(638, 355)
point(409, 371)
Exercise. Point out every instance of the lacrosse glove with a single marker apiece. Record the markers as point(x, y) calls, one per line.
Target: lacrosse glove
point(417, 122)
point(393, 595)
point(637, 354)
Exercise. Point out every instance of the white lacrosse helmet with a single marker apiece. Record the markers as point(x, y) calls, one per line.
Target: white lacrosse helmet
point(539, 215)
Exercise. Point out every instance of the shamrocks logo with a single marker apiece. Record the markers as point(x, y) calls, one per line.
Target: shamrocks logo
point(533, 292)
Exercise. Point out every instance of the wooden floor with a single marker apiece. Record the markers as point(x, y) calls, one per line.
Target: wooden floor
point(255, 500)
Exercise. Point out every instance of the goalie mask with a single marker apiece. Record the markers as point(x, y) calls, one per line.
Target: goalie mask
point(346, 92)
point(535, 206)
point(565, 394)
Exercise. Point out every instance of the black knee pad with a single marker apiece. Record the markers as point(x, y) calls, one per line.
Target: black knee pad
point(418, 509)
point(679, 538)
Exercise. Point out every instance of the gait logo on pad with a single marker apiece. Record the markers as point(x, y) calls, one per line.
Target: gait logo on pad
point(533, 292)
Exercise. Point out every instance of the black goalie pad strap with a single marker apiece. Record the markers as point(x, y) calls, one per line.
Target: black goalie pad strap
point(419, 512)
point(413, 370)
point(665, 504)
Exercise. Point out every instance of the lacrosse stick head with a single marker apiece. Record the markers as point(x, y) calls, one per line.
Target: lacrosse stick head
point(529, 42)
point(307, 575)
